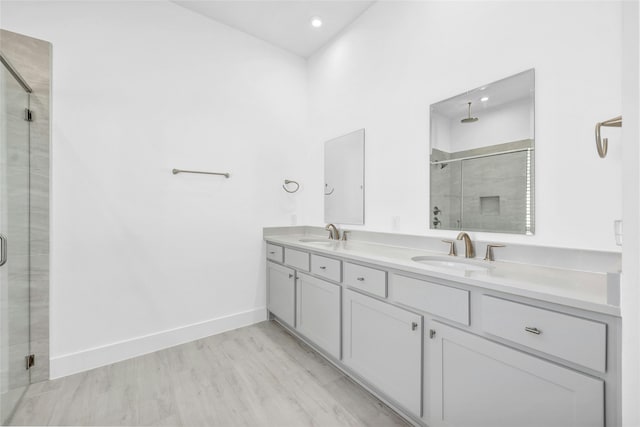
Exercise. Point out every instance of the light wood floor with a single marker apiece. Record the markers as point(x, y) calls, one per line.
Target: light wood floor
point(255, 376)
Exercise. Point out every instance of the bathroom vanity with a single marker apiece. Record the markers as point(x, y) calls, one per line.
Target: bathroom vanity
point(449, 341)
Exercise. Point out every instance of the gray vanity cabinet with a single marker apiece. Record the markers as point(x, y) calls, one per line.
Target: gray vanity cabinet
point(476, 382)
point(318, 312)
point(383, 345)
point(281, 292)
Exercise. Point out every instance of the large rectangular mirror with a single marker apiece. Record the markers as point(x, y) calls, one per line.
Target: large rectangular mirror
point(344, 179)
point(482, 158)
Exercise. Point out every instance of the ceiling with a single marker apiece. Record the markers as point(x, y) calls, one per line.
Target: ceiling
point(286, 24)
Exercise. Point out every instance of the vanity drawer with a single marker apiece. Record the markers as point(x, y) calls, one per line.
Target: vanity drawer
point(296, 259)
point(275, 253)
point(444, 301)
point(326, 267)
point(366, 279)
point(571, 338)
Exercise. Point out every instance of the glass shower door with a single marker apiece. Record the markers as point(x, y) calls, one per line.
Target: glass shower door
point(14, 247)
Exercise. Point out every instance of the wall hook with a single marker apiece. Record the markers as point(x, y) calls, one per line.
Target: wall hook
point(287, 182)
point(602, 144)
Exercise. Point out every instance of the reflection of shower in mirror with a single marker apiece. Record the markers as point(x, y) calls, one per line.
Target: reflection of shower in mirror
point(469, 119)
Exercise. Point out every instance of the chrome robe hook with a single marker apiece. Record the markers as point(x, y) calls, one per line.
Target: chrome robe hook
point(602, 144)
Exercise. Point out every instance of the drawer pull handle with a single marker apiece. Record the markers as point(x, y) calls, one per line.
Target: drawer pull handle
point(322, 267)
point(272, 252)
point(360, 279)
point(533, 330)
point(290, 276)
point(414, 326)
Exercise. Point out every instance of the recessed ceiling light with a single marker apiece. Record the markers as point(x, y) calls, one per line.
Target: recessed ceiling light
point(484, 99)
point(316, 22)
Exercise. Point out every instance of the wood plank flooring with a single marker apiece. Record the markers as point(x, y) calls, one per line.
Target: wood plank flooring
point(254, 376)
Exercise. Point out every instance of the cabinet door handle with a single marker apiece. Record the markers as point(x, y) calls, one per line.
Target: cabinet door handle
point(290, 276)
point(414, 326)
point(533, 330)
point(360, 279)
point(272, 252)
point(432, 333)
point(322, 267)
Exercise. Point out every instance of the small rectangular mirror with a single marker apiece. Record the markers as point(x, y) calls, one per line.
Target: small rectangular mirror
point(482, 158)
point(344, 179)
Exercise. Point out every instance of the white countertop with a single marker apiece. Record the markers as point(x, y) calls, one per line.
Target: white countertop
point(579, 289)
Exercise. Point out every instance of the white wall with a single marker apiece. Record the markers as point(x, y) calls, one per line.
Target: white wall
point(140, 88)
point(630, 292)
point(385, 70)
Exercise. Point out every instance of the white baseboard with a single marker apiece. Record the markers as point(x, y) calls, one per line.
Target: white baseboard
point(72, 363)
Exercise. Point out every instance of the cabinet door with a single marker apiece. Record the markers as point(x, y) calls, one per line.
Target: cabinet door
point(476, 382)
point(383, 344)
point(318, 312)
point(281, 299)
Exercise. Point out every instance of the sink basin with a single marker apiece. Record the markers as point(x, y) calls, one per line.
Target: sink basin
point(450, 263)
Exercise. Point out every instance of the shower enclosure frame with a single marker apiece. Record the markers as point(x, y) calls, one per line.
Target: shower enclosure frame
point(31, 59)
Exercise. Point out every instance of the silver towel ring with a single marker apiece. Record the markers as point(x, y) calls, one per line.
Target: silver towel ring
point(326, 188)
point(287, 182)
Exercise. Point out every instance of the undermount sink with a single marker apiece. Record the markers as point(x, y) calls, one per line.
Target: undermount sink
point(450, 263)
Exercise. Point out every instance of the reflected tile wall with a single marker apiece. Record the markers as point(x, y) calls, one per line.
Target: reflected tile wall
point(494, 193)
point(32, 57)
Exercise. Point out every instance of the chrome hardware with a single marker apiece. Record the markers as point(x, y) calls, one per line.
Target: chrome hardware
point(436, 210)
point(436, 222)
point(290, 276)
point(177, 171)
point(28, 115)
point(452, 247)
point(30, 361)
point(533, 330)
point(360, 279)
point(334, 233)
point(432, 333)
point(603, 143)
point(272, 252)
point(468, 245)
point(287, 182)
point(322, 267)
point(344, 235)
point(3, 250)
point(489, 255)
point(328, 192)
point(414, 326)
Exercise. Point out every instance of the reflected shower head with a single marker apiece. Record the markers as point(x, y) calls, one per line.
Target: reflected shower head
point(469, 119)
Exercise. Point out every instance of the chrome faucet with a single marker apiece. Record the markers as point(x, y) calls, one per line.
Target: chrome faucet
point(468, 245)
point(334, 233)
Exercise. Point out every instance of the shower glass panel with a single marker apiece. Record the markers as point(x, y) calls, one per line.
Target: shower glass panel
point(446, 196)
point(14, 228)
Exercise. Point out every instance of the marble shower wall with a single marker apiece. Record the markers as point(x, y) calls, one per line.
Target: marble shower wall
point(32, 58)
